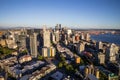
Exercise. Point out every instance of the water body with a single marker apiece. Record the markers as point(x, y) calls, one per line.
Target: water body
point(110, 38)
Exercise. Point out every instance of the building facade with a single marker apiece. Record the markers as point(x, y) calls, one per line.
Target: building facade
point(33, 45)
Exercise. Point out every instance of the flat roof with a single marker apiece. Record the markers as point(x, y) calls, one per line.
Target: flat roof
point(57, 75)
point(92, 77)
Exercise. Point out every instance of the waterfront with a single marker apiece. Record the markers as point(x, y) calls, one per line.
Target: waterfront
point(111, 38)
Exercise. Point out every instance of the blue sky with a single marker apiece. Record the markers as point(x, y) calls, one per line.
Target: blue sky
point(71, 13)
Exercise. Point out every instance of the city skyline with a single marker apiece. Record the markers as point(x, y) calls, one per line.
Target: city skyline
point(71, 13)
point(59, 54)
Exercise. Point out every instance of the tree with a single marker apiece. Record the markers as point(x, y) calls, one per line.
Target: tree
point(60, 65)
point(69, 67)
point(81, 61)
point(62, 58)
point(24, 52)
point(40, 57)
point(65, 64)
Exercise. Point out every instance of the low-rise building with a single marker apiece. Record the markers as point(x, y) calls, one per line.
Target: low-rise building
point(42, 72)
point(8, 62)
point(3, 42)
point(25, 58)
point(57, 76)
point(90, 69)
point(18, 71)
point(77, 59)
point(48, 52)
point(2, 78)
point(91, 77)
point(15, 53)
point(108, 74)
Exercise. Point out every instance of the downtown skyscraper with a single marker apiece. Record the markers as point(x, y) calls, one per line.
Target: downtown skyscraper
point(33, 45)
point(46, 38)
point(47, 50)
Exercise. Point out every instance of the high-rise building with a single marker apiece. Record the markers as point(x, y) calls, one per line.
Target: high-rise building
point(46, 38)
point(81, 47)
point(52, 51)
point(47, 50)
point(73, 39)
point(58, 27)
point(77, 37)
point(22, 39)
point(99, 45)
point(23, 31)
point(101, 58)
point(87, 37)
point(91, 70)
point(57, 36)
point(97, 73)
point(112, 51)
point(53, 38)
point(33, 45)
point(44, 52)
point(82, 36)
point(69, 31)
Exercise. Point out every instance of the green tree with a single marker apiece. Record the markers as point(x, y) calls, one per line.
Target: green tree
point(81, 61)
point(69, 67)
point(24, 52)
point(62, 58)
point(60, 65)
point(5, 50)
point(40, 57)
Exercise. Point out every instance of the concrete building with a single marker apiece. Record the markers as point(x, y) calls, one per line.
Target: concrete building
point(81, 47)
point(73, 39)
point(69, 31)
point(57, 76)
point(112, 51)
point(91, 70)
point(44, 51)
point(33, 45)
point(46, 38)
point(10, 40)
point(25, 58)
point(87, 37)
point(101, 58)
point(110, 75)
point(58, 27)
point(22, 39)
point(3, 42)
point(53, 38)
point(2, 78)
point(38, 74)
point(114, 67)
point(76, 38)
point(91, 77)
point(99, 45)
point(82, 36)
point(48, 52)
point(77, 59)
point(57, 36)
point(52, 51)
point(97, 73)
